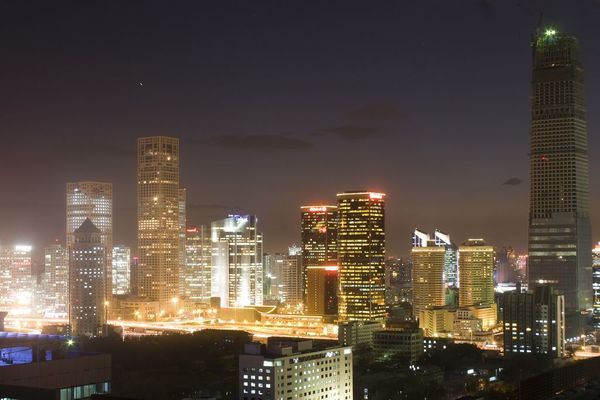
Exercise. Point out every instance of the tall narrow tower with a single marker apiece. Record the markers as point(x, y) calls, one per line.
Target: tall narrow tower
point(559, 225)
point(158, 218)
point(361, 256)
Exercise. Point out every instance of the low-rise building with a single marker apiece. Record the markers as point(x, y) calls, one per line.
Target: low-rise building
point(406, 343)
point(287, 368)
point(47, 367)
point(354, 333)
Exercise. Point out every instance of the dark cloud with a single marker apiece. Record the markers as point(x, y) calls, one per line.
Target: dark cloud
point(258, 142)
point(353, 132)
point(514, 181)
point(376, 112)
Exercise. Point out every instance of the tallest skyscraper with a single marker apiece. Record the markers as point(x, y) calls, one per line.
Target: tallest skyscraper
point(559, 223)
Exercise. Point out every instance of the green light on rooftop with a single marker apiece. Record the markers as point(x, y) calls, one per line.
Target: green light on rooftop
point(550, 32)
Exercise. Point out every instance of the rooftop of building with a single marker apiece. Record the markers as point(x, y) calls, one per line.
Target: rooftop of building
point(285, 346)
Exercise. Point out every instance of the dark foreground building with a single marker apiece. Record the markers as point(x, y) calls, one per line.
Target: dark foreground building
point(45, 367)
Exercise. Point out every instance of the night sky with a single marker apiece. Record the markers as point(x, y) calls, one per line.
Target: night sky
point(279, 104)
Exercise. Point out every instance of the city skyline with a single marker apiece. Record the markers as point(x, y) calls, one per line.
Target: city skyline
point(267, 133)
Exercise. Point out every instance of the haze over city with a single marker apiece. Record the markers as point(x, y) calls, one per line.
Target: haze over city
point(427, 101)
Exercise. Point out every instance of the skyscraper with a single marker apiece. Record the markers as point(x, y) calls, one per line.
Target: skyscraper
point(272, 276)
point(237, 261)
point(56, 276)
point(292, 289)
point(450, 258)
point(182, 238)
point(158, 218)
point(476, 273)
point(93, 200)
point(559, 224)
point(87, 293)
point(428, 260)
point(322, 282)
point(121, 269)
point(596, 284)
point(197, 270)
point(16, 282)
point(319, 235)
point(361, 256)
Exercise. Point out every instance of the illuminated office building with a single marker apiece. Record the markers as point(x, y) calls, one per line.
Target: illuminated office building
point(56, 277)
point(450, 259)
point(476, 273)
point(197, 270)
point(16, 283)
point(292, 289)
point(319, 235)
point(428, 263)
point(319, 231)
point(121, 269)
point(93, 200)
point(182, 239)
point(87, 293)
point(361, 256)
point(158, 218)
point(596, 283)
point(322, 283)
point(559, 224)
point(237, 261)
point(272, 278)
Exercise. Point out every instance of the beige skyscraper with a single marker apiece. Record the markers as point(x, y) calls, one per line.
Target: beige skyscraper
point(428, 276)
point(91, 200)
point(476, 273)
point(158, 217)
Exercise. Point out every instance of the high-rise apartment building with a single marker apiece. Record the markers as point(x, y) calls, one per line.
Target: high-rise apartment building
point(56, 280)
point(237, 261)
point(559, 224)
point(93, 200)
point(476, 273)
point(197, 270)
point(87, 293)
point(361, 256)
point(288, 368)
point(534, 322)
point(428, 263)
point(121, 269)
point(158, 218)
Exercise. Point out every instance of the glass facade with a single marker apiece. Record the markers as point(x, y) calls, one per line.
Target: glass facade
point(361, 256)
point(237, 268)
point(159, 225)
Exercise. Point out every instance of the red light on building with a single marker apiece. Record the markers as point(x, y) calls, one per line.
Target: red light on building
point(192, 230)
point(376, 196)
point(318, 209)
